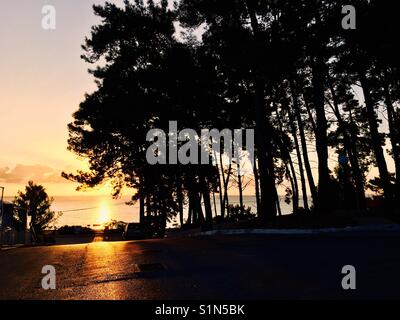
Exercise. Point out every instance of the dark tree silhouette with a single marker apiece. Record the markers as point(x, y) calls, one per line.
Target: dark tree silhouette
point(286, 68)
point(34, 202)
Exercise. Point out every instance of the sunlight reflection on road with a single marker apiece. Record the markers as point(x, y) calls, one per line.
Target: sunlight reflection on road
point(103, 262)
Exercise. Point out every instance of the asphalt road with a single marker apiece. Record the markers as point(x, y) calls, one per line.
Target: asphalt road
point(220, 267)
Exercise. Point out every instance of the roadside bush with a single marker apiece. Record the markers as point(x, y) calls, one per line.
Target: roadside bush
point(71, 230)
point(236, 213)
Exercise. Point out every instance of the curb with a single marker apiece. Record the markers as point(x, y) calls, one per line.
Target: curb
point(18, 246)
point(302, 232)
point(8, 248)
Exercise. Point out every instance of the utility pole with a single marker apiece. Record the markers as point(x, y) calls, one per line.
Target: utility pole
point(2, 216)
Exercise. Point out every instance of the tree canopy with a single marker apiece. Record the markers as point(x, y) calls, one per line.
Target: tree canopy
point(286, 68)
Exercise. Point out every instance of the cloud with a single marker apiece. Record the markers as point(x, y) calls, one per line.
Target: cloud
point(23, 173)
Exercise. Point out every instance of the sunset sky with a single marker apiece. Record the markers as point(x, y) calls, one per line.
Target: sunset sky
point(42, 82)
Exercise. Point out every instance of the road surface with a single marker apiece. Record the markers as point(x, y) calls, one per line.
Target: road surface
point(219, 267)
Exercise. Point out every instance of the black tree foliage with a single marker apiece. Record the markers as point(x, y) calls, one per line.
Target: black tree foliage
point(287, 69)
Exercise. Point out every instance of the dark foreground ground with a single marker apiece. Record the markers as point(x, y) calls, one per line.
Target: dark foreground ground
point(221, 267)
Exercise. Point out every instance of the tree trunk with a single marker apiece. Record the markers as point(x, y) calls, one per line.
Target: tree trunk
point(351, 149)
point(322, 205)
point(240, 187)
point(141, 207)
point(292, 174)
point(257, 187)
point(263, 132)
point(220, 173)
point(303, 141)
point(299, 159)
point(376, 139)
point(226, 183)
point(293, 186)
point(180, 201)
point(221, 202)
point(393, 134)
point(278, 203)
point(190, 208)
point(310, 116)
point(290, 171)
point(265, 157)
point(215, 204)
point(205, 191)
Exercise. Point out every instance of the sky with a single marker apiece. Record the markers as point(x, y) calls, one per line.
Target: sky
point(42, 82)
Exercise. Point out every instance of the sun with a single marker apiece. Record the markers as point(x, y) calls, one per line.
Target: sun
point(104, 213)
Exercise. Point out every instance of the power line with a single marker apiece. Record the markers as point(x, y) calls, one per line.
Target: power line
point(91, 208)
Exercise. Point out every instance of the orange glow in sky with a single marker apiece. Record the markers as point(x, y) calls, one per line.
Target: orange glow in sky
point(42, 81)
